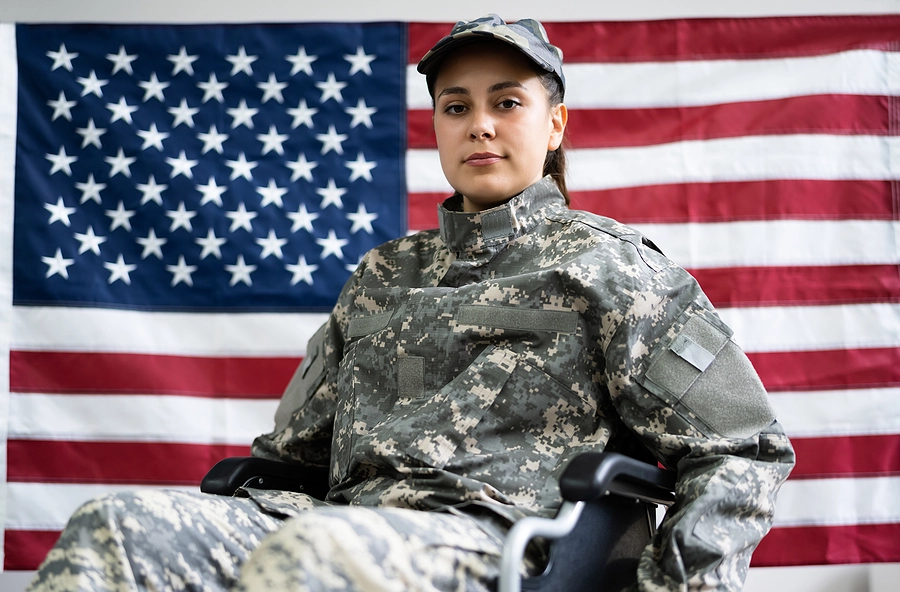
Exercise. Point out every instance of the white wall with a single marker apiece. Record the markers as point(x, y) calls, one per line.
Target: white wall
point(852, 578)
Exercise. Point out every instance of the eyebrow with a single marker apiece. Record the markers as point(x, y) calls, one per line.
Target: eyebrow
point(459, 90)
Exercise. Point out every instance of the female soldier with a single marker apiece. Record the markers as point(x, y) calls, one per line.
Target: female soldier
point(463, 368)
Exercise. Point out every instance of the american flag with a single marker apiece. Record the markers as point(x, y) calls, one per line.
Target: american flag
point(186, 201)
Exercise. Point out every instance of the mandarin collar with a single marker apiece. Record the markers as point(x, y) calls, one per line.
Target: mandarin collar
point(472, 232)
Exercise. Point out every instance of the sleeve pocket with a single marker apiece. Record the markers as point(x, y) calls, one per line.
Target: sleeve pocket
point(306, 380)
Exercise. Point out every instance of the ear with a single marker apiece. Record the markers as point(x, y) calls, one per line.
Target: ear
point(559, 116)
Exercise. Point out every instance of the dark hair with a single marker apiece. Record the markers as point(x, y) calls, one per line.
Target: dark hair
point(555, 161)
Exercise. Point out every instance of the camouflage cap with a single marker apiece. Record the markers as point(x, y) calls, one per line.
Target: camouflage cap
point(526, 35)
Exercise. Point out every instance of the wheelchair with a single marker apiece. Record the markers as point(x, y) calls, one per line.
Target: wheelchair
point(606, 519)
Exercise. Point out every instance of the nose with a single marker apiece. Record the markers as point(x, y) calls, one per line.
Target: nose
point(481, 125)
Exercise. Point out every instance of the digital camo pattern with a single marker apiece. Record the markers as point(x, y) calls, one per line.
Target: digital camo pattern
point(467, 366)
point(460, 371)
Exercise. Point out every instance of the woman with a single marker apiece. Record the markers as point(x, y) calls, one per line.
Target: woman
point(462, 369)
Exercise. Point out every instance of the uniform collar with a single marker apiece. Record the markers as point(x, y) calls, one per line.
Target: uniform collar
point(474, 231)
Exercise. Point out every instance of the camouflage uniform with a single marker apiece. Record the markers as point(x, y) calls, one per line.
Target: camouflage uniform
point(462, 369)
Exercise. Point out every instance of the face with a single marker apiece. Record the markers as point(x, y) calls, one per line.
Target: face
point(494, 123)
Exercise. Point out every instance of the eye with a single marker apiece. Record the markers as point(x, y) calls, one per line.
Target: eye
point(454, 109)
point(509, 104)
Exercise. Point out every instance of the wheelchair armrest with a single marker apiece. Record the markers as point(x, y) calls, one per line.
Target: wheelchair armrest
point(593, 474)
point(229, 474)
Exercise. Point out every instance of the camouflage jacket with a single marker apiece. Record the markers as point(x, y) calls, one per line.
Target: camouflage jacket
point(468, 365)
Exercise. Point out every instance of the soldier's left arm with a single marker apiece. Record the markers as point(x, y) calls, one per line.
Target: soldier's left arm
point(680, 382)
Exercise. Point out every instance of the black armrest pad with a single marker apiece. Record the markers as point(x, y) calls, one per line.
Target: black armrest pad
point(592, 474)
point(231, 473)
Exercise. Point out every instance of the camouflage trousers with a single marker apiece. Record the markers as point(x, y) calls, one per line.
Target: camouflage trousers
point(173, 540)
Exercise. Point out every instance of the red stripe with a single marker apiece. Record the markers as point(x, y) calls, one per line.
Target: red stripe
point(842, 456)
point(603, 128)
point(145, 463)
point(816, 545)
point(775, 286)
point(826, 370)
point(100, 373)
point(739, 201)
point(695, 39)
point(781, 199)
point(26, 549)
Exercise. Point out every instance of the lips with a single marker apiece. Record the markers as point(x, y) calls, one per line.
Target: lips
point(483, 158)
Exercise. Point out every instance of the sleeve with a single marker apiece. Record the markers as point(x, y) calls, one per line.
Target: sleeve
point(689, 393)
point(304, 420)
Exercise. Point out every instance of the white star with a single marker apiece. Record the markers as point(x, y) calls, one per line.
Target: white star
point(152, 245)
point(362, 114)
point(360, 61)
point(152, 137)
point(241, 62)
point(272, 141)
point(211, 245)
point(91, 134)
point(121, 110)
point(90, 189)
point(57, 264)
point(62, 58)
point(301, 61)
point(120, 164)
point(89, 241)
point(151, 190)
point(302, 271)
point(121, 60)
point(331, 89)
point(331, 195)
point(212, 140)
point(120, 270)
point(213, 89)
point(240, 272)
point(332, 245)
point(242, 115)
point(62, 107)
point(59, 212)
point(183, 62)
point(332, 140)
point(271, 245)
point(360, 168)
point(271, 194)
point(302, 115)
point(92, 85)
point(272, 89)
point(181, 272)
point(61, 161)
point(181, 166)
point(183, 114)
point(181, 218)
point(120, 217)
point(154, 88)
point(302, 168)
point(212, 192)
point(302, 219)
point(362, 220)
point(241, 218)
point(241, 168)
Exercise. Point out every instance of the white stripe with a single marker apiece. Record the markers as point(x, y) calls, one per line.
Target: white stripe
point(140, 418)
point(838, 502)
point(820, 414)
point(748, 158)
point(8, 107)
point(201, 334)
point(48, 506)
point(777, 243)
point(710, 82)
point(814, 328)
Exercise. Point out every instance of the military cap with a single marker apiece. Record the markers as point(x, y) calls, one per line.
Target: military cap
point(526, 35)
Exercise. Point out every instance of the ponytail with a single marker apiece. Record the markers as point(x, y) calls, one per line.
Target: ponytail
point(555, 161)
